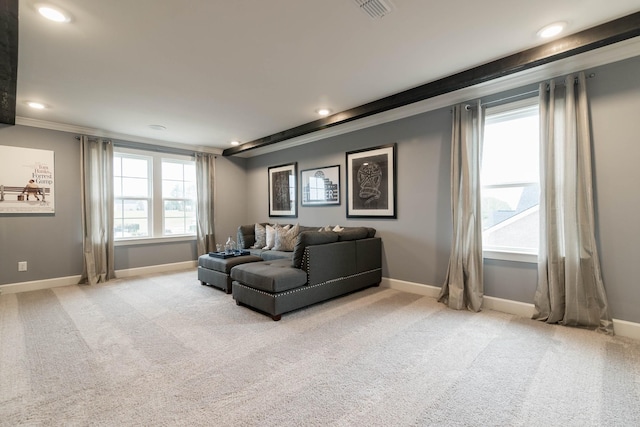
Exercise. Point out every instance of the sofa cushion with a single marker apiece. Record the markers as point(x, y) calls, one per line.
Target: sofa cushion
point(308, 238)
point(286, 239)
point(271, 255)
point(270, 276)
point(354, 233)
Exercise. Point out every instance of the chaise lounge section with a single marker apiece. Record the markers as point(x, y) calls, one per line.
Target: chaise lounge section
point(321, 266)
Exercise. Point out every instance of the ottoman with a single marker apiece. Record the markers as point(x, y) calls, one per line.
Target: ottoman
point(214, 271)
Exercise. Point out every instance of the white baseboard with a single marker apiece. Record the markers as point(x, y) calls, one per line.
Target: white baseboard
point(153, 269)
point(621, 328)
point(37, 285)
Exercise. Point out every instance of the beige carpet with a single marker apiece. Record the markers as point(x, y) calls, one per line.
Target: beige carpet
point(164, 350)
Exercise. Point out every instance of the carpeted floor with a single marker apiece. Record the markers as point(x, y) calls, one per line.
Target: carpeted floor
point(164, 350)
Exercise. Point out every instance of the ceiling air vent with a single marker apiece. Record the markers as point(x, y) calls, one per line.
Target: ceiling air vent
point(376, 9)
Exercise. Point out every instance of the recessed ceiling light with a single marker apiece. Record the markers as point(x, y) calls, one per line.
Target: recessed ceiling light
point(53, 13)
point(36, 105)
point(158, 127)
point(323, 112)
point(552, 30)
point(235, 142)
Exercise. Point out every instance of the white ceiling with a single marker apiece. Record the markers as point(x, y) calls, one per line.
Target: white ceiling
point(213, 71)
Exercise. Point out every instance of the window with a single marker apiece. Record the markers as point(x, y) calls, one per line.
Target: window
point(178, 196)
point(510, 178)
point(154, 194)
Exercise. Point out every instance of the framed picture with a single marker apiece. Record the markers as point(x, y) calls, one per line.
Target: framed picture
point(321, 186)
point(371, 182)
point(283, 190)
point(27, 180)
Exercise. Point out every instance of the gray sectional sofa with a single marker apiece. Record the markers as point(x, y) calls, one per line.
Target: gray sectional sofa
point(321, 266)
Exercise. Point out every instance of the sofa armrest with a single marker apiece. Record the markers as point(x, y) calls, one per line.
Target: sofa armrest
point(329, 261)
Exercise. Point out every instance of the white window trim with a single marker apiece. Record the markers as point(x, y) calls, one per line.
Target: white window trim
point(133, 241)
point(511, 255)
point(156, 160)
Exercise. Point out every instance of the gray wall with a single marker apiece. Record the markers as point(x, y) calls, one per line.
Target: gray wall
point(52, 243)
point(417, 243)
point(421, 233)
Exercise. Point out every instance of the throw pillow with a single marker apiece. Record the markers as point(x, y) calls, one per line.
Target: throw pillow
point(270, 237)
point(337, 228)
point(261, 236)
point(286, 238)
point(271, 234)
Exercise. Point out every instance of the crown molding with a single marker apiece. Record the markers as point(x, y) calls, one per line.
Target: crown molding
point(63, 127)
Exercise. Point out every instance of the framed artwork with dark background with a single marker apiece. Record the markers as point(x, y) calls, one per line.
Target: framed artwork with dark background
point(283, 190)
point(371, 182)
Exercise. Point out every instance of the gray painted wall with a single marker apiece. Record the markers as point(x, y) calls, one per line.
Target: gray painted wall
point(416, 245)
point(52, 243)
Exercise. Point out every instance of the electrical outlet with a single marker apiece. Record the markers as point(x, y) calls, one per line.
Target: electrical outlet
point(22, 266)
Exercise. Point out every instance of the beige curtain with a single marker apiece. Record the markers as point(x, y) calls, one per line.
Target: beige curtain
point(463, 286)
point(96, 183)
point(570, 287)
point(205, 175)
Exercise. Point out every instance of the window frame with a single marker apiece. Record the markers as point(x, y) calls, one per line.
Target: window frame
point(156, 201)
point(511, 254)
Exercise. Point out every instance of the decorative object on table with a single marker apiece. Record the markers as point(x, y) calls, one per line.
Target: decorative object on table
point(371, 182)
point(283, 190)
point(230, 246)
point(321, 186)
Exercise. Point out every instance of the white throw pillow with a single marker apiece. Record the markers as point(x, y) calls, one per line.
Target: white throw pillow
point(270, 238)
point(337, 228)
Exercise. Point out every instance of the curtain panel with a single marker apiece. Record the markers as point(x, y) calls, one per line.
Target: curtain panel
point(96, 182)
point(205, 175)
point(570, 288)
point(463, 286)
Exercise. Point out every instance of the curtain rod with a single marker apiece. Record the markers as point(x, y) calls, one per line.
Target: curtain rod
point(525, 94)
point(149, 147)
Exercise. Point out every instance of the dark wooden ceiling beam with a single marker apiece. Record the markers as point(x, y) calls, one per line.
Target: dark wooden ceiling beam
point(8, 60)
point(593, 38)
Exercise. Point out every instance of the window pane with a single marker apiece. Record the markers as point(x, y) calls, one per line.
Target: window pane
point(510, 151)
point(131, 218)
point(172, 189)
point(134, 167)
point(135, 187)
point(172, 170)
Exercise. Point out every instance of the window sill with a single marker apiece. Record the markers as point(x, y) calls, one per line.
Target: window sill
point(511, 256)
point(153, 240)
